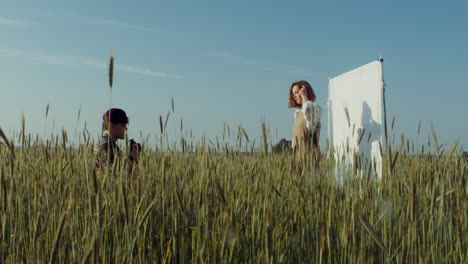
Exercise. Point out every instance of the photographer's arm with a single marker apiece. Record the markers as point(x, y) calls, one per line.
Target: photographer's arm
point(133, 157)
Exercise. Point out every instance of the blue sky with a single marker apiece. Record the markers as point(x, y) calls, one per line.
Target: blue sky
point(228, 62)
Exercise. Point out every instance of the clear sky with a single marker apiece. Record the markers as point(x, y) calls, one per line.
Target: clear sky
point(228, 61)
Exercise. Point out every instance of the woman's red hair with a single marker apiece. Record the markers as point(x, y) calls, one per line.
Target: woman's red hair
point(310, 93)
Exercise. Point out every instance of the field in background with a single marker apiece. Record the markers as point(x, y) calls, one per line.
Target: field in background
point(213, 203)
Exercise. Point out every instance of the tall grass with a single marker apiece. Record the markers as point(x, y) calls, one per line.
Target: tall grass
point(216, 203)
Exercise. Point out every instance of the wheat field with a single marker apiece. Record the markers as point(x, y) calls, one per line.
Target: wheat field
point(212, 202)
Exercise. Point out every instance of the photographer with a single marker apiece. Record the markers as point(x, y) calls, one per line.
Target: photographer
point(114, 127)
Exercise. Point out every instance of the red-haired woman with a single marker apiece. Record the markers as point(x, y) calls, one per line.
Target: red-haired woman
point(306, 129)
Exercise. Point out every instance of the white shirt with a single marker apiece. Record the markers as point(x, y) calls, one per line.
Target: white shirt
point(311, 113)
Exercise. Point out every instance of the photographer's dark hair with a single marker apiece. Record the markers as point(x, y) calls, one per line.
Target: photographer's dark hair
point(117, 116)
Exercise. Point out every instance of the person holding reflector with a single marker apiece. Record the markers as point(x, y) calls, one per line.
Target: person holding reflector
point(306, 129)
